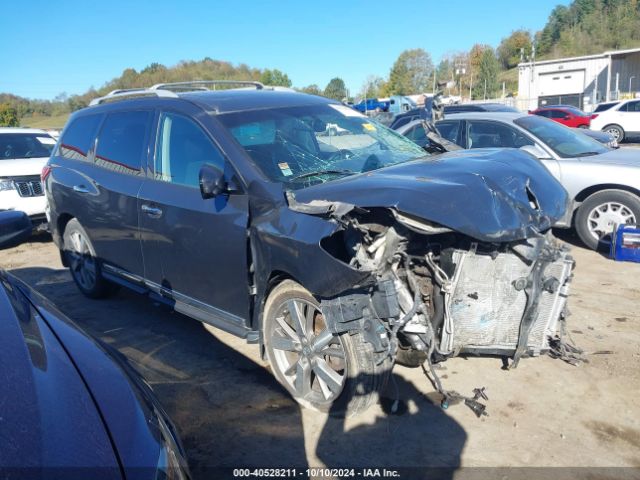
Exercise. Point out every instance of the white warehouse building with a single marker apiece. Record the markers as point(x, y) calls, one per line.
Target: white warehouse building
point(580, 81)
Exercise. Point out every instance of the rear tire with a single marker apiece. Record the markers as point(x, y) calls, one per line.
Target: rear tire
point(83, 264)
point(616, 130)
point(601, 210)
point(301, 353)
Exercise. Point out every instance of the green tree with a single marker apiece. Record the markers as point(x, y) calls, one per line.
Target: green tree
point(275, 78)
point(336, 89)
point(487, 83)
point(373, 87)
point(8, 116)
point(312, 89)
point(510, 47)
point(410, 73)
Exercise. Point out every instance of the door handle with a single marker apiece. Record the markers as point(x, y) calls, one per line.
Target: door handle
point(80, 189)
point(151, 211)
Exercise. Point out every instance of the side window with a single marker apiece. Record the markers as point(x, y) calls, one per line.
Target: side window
point(449, 130)
point(417, 135)
point(78, 137)
point(633, 107)
point(543, 113)
point(401, 121)
point(181, 150)
point(495, 135)
point(558, 114)
point(121, 141)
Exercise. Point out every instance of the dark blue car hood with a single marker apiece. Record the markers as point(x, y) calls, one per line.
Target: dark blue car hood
point(493, 195)
point(48, 419)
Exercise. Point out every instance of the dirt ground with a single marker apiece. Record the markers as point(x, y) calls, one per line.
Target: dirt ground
point(230, 411)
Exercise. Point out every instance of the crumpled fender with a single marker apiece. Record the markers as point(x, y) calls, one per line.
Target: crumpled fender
point(286, 241)
point(492, 195)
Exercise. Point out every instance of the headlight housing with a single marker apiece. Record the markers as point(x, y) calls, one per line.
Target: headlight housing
point(6, 184)
point(171, 462)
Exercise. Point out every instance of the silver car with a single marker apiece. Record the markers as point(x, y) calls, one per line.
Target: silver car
point(603, 183)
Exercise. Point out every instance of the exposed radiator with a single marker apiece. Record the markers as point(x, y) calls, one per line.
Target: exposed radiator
point(486, 309)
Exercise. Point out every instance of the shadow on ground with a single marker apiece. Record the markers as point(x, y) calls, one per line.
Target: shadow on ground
point(230, 411)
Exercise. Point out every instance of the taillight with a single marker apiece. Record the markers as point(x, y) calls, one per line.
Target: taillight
point(593, 115)
point(46, 170)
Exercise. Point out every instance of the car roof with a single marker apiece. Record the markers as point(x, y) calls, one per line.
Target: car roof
point(21, 130)
point(230, 100)
point(501, 116)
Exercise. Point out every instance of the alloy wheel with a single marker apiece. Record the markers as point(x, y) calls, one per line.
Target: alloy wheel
point(82, 263)
point(614, 132)
point(310, 357)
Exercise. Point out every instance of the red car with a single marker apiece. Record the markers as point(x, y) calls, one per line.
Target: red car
point(566, 115)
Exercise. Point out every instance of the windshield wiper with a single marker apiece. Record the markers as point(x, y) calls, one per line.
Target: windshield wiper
point(585, 154)
point(322, 172)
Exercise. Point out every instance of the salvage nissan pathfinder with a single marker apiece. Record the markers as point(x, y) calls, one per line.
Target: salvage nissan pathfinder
point(298, 223)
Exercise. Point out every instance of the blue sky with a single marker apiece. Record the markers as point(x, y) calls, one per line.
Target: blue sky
point(58, 46)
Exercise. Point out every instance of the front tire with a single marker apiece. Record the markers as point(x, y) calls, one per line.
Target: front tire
point(599, 213)
point(83, 264)
point(322, 371)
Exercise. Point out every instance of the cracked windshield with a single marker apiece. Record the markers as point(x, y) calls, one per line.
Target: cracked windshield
point(301, 146)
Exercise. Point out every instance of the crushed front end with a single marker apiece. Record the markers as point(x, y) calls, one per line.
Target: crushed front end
point(440, 293)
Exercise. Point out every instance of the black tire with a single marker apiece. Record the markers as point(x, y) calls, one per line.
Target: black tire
point(582, 222)
point(363, 379)
point(85, 268)
point(616, 130)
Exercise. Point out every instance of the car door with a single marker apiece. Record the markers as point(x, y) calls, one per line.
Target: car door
point(486, 133)
point(109, 188)
point(195, 250)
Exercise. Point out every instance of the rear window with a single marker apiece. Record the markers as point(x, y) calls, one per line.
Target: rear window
point(25, 145)
point(605, 106)
point(76, 141)
point(121, 141)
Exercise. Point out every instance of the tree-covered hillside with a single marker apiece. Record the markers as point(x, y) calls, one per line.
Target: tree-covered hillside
point(590, 26)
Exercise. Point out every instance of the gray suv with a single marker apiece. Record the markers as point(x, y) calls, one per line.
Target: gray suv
point(295, 222)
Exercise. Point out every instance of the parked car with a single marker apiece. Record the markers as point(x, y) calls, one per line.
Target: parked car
point(603, 184)
point(621, 119)
point(23, 154)
point(450, 99)
point(416, 132)
point(70, 404)
point(336, 253)
point(565, 114)
point(478, 107)
point(417, 113)
point(372, 105)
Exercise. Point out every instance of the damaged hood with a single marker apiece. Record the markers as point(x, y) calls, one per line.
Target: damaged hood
point(492, 195)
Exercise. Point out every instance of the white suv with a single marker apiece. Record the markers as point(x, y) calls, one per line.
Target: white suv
point(620, 119)
point(23, 154)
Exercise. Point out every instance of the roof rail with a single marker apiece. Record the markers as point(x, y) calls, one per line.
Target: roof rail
point(132, 92)
point(203, 84)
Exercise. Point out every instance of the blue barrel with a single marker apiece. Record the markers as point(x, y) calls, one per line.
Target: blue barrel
point(625, 246)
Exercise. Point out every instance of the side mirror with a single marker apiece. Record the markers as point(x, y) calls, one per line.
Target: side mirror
point(535, 150)
point(212, 181)
point(15, 228)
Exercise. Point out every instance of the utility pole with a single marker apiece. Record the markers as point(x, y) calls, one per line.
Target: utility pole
point(470, 86)
point(485, 88)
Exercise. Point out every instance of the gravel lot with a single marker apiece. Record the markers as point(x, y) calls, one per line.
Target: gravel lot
point(231, 412)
